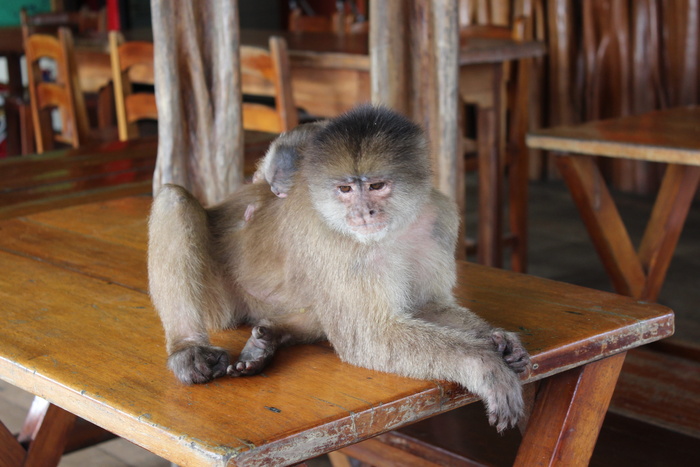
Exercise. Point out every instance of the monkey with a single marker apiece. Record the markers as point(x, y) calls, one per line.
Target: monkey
point(281, 160)
point(360, 252)
point(282, 157)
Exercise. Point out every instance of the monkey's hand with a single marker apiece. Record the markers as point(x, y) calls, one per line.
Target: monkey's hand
point(256, 354)
point(502, 395)
point(198, 364)
point(514, 354)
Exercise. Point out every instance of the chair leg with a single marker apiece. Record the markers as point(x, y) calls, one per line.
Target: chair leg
point(489, 242)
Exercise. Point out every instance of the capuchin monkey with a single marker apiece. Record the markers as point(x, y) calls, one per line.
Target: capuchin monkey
point(359, 252)
point(281, 160)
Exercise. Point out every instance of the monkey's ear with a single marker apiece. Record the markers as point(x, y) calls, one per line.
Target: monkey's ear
point(282, 171)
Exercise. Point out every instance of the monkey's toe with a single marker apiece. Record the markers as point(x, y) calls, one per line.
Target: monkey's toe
point(246, 368)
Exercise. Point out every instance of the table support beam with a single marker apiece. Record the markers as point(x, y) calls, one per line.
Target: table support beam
point(602, 219)
point(573, 402)
point(45, 434)
point(665, 225)
point(637, 274)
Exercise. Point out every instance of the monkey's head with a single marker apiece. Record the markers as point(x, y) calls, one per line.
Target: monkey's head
point(368, 172)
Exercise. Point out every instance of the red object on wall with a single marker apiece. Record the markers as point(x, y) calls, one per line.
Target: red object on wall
point(113, 19)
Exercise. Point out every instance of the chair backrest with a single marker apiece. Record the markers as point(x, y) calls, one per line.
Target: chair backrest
point(61, 92)
point(81, 21)
point(132, 63)
point(266, 72)
point(346, 19)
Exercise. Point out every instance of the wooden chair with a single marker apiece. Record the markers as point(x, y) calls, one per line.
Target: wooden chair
point(132, 63)
point(81, 21)
point(62, 93)
point(267, 73)
point(346, 19)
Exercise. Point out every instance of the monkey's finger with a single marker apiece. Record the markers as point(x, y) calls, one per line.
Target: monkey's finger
point(232, 371)
point(516, 354)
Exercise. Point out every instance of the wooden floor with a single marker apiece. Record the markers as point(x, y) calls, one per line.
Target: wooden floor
point(655, 417)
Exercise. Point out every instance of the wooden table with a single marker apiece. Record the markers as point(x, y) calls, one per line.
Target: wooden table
point(669, 136)
point(92, 172)
point(79, 331)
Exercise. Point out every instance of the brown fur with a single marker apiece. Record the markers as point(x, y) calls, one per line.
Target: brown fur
point(360, 252)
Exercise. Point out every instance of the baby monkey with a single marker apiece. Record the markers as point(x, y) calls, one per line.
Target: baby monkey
point(349, 242)
point(281, 160)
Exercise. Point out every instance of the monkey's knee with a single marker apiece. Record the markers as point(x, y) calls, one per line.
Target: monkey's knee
point(176, 217)
point(172, 199)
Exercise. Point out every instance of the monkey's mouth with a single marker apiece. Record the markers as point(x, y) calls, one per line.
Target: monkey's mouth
point(366, 229)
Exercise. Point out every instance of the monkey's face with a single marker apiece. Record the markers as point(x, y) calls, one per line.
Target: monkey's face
point(368, 173)
point(357, 206)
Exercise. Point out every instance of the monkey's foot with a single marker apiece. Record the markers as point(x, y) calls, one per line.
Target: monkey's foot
point(198, 364)
point(512, 351)
point(256, 354)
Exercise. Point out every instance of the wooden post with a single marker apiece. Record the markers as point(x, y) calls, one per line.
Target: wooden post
point(444, 127)
point(388, 55)
point(198, 94)
point(414, 48)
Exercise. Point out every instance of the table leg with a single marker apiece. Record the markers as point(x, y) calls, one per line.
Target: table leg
point(602, 219)
point(568, 413)
point(641, 274)
point(661, 236)
point(42, 440)
point(11, 452)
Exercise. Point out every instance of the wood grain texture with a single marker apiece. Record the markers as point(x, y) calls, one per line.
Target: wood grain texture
point(660, 136)
point(664, 136)
point(38, 182)
point(132, 63)
point(11, 452)
point(79, 277)
point(198, 95)
point(62, 93)
point(545, 443)
point(266, 71)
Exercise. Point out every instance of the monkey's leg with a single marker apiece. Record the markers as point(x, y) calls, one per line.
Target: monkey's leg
point(257, 353)
point(186, 285)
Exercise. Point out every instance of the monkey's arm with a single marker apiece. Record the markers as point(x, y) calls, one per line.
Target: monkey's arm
point(420, 349)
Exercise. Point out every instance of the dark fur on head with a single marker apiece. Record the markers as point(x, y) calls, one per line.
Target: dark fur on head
point(371, 140)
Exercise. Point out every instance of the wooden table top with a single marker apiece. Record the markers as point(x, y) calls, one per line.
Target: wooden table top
point(79, 330)
point(343, 47)
point(671, 135)
point(93, 172)
point(313, 44)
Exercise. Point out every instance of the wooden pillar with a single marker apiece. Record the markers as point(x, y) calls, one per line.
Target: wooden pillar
point(444, 127)
point(198, 94)
point(414, 49)
point(389, 54)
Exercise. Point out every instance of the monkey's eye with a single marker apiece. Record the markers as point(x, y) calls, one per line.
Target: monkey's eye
point(345, 188)
point(377, 186)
